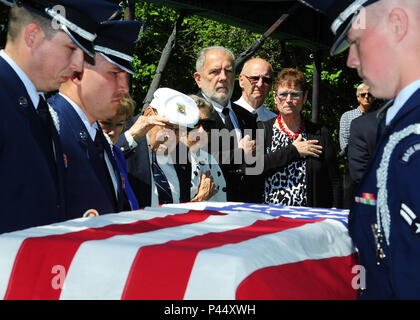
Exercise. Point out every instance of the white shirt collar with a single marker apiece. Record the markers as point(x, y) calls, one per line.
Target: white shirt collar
point(242, 102)
point(263, 113)
point(219, 108)
point(91, 128)
point(30, 87)
point(401, 99)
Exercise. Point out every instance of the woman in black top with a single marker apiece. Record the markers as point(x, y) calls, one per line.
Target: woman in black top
point(300, 163)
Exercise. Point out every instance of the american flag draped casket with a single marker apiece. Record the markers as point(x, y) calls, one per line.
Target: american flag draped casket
point(194, 251)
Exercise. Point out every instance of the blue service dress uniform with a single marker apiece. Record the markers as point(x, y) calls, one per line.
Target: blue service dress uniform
point(86, 184)
point(31, 189)
point(384, 220)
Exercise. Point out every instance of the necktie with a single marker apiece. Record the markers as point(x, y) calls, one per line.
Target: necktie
point(46, 123)
point(101, 162)
point(162, 184)
point(45, 116)
point(228, 120)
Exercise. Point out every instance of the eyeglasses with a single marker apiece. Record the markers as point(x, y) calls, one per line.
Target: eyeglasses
point(363, 95)
point(293, 95)
point(207, 125)
point(254, 79)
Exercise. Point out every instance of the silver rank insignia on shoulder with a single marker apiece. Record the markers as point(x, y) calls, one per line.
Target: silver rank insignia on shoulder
point(411, 218)
point(378, 243)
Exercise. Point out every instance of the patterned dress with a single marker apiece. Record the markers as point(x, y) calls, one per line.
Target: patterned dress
point(288, 185)
point(201, 162)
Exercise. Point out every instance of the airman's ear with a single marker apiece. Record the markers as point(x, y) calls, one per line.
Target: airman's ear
point(398, 22)
point(33, 35)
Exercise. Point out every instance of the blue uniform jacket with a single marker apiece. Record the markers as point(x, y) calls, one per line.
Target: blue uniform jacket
point(84, 182)
point(122, 166)
point(31, 191)
point(394, 188)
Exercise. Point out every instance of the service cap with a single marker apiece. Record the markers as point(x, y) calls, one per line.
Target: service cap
point(342, 13)
point(177, 107)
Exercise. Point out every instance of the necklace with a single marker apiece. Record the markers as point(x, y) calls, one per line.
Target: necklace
point(295, 134)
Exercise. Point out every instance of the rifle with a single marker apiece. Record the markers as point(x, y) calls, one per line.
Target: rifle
point(260, 41)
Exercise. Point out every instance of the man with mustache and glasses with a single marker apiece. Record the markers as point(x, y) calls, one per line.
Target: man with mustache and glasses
point(92, 179)
point(215, 76)
point(255, 80)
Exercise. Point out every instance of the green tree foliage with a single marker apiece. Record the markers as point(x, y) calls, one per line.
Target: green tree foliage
point(195, 33)
point(337, 87)
point(4, 12)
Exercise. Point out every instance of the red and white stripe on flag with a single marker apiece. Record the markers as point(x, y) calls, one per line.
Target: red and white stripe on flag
point(179, 252)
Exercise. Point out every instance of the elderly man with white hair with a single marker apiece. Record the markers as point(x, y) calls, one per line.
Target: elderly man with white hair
point(365, 99)
point(215, 76)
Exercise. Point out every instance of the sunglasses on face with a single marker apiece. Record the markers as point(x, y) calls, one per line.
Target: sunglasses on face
point(293, 95)
point(254, 79)
point(363, 95)
point(207, 125)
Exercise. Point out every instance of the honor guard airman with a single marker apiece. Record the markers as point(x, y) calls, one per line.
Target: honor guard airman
point(92, 178)
point(383, 42)
point(46, 41)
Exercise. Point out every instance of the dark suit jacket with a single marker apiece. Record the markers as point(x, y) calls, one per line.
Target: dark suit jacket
point(139, 172)
point(239, 186)
point(31, 191)
point(323, 183)
point(362, 142)
point(86, 184)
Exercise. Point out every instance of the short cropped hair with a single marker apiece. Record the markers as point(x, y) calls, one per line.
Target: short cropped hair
point(20, 17)
point(126, 107)
point(291, 76)
point(201, 58)
point(361, 87)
